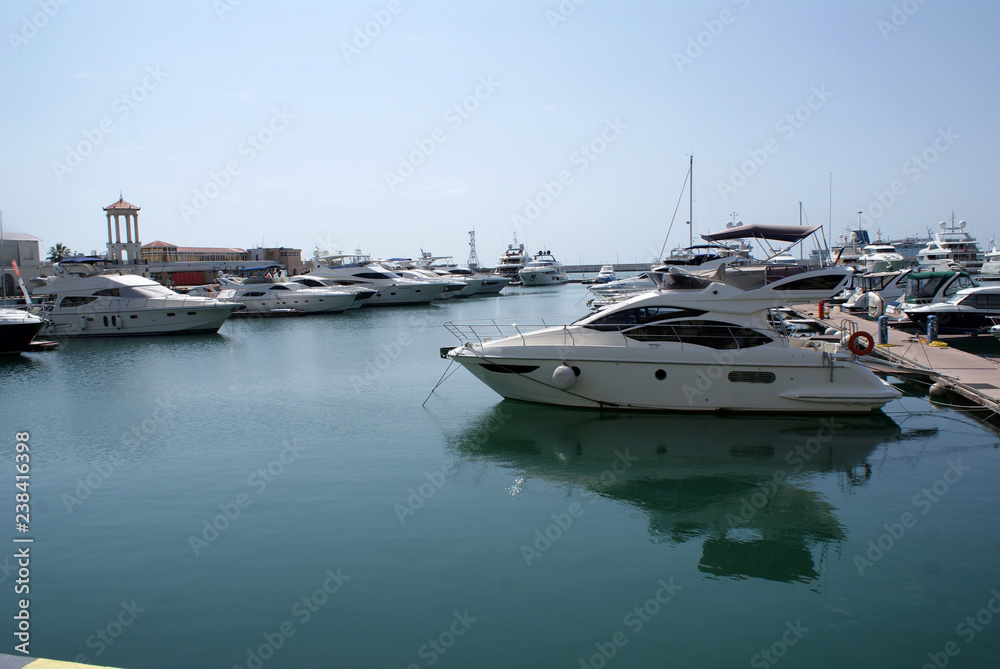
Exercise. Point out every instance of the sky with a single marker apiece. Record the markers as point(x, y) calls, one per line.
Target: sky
point(396, 126)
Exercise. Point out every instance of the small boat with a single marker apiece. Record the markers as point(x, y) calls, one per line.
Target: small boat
point(605, 275)
point(543, 270)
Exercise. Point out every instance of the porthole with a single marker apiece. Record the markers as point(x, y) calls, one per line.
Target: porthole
point(660, 374)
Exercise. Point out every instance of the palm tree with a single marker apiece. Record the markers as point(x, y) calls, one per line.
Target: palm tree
point(59, 252)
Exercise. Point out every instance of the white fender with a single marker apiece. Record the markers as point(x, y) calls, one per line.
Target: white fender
point(563, 377)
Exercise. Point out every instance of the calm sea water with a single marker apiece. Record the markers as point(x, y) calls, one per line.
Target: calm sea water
point(276, 496)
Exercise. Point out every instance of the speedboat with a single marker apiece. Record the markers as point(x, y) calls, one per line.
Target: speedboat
point(262, 296)
point(92, 303)
point(605, 275)
point(17, 328)
point(968, 311)
point(691, 345)
point(391, 289)
point(875, 290)
point(952, 248)
point(543, 270)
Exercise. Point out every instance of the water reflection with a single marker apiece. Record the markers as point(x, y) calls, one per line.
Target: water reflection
point(745, 486)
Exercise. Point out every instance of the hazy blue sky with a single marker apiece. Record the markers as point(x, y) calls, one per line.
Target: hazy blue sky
point(235, 123)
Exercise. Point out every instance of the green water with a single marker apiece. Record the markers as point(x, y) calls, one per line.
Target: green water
point(364, 530)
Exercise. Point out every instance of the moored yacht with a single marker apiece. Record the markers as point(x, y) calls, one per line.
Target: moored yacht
point(361, 294)
point(511, 261)
point(692, 345)
point(543, 270)
point(969, 311)
point(391, 289)
point(17, 328)
point(90, 303)
point(951, 248)
point(991, 266)
point(266, 296)
point(880, 256)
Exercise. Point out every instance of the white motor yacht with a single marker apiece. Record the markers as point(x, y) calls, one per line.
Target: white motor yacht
point(991, 266)
point(951, 249)
point(391, 289)
point(361, 294)
point(692, 345)
point(880, 257)
point(491, 284)
point(86, 302)
point(543, 270)
point(926, 288)
point(969, 311)
point(265, 296)
point(511, 261)
point(17, 328)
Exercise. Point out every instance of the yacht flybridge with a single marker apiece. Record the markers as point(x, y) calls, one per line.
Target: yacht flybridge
point(691, 345)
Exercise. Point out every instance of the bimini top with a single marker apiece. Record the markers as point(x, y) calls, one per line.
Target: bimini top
point(780, 233)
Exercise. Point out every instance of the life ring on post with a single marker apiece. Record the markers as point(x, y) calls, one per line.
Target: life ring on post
point(857, 349)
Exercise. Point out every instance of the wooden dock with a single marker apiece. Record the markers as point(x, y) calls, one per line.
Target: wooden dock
point(973, 377)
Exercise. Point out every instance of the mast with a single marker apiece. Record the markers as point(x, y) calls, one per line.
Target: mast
point(473, 258)
point(691, 201)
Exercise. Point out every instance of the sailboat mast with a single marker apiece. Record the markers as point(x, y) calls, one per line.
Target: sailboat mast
point(691, 201)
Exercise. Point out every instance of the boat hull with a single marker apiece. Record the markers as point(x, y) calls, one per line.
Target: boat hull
point(694, 382)
point(84, 322)
point(529, 278)
point(16, 337)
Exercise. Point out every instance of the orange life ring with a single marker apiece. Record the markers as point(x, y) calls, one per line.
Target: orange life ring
point(852, 343)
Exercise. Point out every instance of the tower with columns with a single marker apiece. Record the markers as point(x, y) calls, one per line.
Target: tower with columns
point(128, 252)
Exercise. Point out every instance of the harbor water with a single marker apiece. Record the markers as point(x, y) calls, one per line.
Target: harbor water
point(277, 495)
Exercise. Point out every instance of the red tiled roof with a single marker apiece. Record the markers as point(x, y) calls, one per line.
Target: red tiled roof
point(121, 204)
point(158, 245)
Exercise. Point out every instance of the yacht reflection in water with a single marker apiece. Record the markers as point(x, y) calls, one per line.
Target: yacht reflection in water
point(741, 484)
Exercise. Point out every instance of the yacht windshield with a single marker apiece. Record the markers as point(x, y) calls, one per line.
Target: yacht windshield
point(625, 318)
